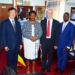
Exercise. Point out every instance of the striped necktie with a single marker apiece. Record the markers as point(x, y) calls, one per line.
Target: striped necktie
point(13, 24)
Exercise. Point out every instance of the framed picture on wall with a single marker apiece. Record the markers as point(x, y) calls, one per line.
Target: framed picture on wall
point(24, 11)
point(20, 10)
point(72, 17)
point(40, 10)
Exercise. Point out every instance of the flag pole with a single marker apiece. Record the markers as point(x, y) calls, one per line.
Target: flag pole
point(15, 3)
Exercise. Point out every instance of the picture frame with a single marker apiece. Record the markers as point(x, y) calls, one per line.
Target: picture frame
point(24, 11)
point(20, 11)
point(40, 11)
point(72, 16)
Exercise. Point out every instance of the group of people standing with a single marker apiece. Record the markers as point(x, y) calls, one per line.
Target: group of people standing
point(49, 35)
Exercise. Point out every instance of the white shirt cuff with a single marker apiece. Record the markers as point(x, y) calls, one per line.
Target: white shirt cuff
point(68, 47)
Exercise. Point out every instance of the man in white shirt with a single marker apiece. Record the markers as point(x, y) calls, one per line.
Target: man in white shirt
point(48, 39)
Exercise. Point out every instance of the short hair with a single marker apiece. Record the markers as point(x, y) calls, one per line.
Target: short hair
point(12, 8)
point(66, 13)
point(32, 12)
point(47, 9)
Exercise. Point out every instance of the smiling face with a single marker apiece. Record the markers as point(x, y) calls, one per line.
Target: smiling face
point(66, 17)
point(32, 17)
point(12, 14)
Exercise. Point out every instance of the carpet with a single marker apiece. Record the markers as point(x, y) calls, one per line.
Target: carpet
point(68, 70)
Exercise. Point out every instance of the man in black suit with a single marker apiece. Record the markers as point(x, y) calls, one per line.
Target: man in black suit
point(48, 39)
point(12, 38)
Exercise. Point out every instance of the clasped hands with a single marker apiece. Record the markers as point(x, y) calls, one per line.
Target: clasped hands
point(33, 38)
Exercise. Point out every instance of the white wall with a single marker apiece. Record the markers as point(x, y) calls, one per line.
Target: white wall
point(37, 2)
point(68, 5)
point(21, 2)
point(61, 10)
point(6, 1)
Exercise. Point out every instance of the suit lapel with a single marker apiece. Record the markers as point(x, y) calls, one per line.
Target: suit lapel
point(16, 26)
point(44, 25)
point(61, 25)
point(66, 28)
point(52, 26)
point(10, 24)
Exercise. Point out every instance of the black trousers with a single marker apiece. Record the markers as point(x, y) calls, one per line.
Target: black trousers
point(12, 58)
point(47, 54)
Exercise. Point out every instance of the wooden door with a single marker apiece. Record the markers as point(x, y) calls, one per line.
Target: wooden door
point(4, 11)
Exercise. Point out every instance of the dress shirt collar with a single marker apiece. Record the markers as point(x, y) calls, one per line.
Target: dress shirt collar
point(11, 19)
point(50, 19)
point(66, 22)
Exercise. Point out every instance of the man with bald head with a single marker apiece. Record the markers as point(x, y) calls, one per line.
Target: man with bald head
point(48, 39)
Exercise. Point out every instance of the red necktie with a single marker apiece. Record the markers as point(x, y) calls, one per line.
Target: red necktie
point(48, 29)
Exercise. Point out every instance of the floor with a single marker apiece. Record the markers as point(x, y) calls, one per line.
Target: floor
point(22, 70)
point(68, 70)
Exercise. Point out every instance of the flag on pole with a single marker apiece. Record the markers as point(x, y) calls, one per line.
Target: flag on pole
point(21, 61)
point(15, 3)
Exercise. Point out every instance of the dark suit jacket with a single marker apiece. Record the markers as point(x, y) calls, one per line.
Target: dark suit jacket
point(11, 38)
point(54, 32)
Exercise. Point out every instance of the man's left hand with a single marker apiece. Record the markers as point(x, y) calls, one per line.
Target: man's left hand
point(55, 47)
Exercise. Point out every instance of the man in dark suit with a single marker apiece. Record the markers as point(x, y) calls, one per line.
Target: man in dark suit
point(65, 41)
point(12, 38)
point(48, 39)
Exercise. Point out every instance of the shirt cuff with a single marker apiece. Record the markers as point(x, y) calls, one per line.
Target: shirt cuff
point(68, 47)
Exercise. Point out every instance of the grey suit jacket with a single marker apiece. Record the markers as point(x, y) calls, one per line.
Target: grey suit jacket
point(27, 29)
